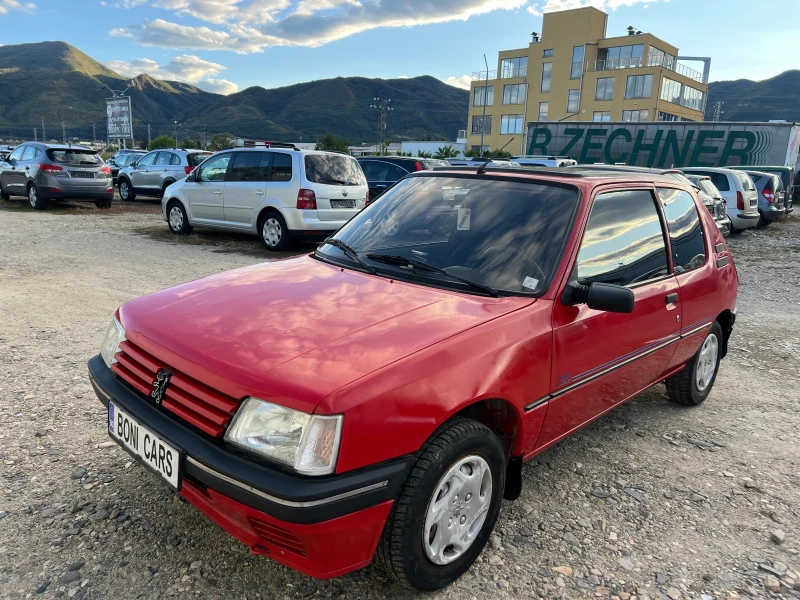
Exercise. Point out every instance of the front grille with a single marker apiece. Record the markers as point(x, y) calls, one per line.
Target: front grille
point(187, 398)
point(277, 536)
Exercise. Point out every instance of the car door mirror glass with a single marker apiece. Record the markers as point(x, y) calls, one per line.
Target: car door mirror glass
point(607, 297)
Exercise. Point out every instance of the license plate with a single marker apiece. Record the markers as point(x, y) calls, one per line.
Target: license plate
point(343, 203)
point(157, 454)
point(83, 174)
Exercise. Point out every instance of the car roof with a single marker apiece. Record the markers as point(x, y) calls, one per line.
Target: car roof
point(627, 168)
point(563, 174)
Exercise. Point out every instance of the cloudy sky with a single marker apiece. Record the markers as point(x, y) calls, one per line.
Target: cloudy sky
point(228, 45)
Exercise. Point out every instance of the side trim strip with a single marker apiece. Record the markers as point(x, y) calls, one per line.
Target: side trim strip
point(723, 262)
point(276, 500)
point(538, 402)
point(694, 330)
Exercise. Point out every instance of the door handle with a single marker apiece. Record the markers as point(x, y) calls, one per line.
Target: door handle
point(259, 193)
point(381, 186)
point(218, 193)
point(672, 298)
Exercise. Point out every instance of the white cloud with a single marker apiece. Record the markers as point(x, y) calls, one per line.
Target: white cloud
point(251, 26)
point(554, 5)
point(185, 68)
point(462, 82)
point(7, 6)
point(219, 86)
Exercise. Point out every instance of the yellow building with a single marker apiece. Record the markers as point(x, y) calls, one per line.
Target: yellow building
point(573, 72)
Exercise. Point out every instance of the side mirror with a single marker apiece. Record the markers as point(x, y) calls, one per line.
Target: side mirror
point(599, 296)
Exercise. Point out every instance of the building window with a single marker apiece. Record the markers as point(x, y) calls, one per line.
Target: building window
point(636, 115)
point(577, 62)
point(514, 67)
point(662, 116)
point(620, 57)
point(671, 90)
point(511, 124)
point(659, 58)
point(573, 101)
point(639, 86)
point(481, 124)
point(692, 98)
point(604, 90)
point(514, 94)
point(547, 71)
point(479, 148)
point(543, 109)
point(483, 96)
point(601, 115)
point(547, 53)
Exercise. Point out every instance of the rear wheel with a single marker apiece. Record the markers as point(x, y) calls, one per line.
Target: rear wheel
point(447, 508)
point(126, 191)
point(34, 199)
point(273, 232)
point(178, 219)
point(692, 385)
point(762, 222)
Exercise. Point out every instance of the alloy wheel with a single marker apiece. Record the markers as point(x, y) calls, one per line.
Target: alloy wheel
point(32, 197)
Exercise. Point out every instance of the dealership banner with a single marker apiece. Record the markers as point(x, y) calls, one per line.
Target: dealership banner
point(666, 145)
point(120, 118)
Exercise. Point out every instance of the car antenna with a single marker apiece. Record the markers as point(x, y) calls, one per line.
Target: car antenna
point(482, 168)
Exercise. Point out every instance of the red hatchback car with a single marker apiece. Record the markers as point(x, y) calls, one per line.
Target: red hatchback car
point(380, 395)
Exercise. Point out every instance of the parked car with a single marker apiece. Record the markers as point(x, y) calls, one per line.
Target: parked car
point(120, 161)
point(154, 172)
point(385, 391)
point(468, 161)
point(277, 193)
point(739, 193)
point(715, 204)
point(535, 160)
point(713, 200)
point(44, 172)
point(5, 150)
point(770, 196)
point(383, 171)
point(788, 178)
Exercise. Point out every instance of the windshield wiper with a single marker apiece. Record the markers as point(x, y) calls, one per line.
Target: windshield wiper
point(336, 181)
point(351, 253)
point(396, 259)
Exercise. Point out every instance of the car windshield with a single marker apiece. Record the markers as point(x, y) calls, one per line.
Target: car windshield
point(74, 156)
point(195, 158)
point(334, 169)
point(508, 235)
point(709, 188)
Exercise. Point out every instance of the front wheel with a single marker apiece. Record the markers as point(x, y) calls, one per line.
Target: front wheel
point(447, 508)
point(126, 191)
point(178, 219)
point(3, 195)
point(693, 384)
point(273, 232)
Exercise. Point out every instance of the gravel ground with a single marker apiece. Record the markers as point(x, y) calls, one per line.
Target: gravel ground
point(651, 501)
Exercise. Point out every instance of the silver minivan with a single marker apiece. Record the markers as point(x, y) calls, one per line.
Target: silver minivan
point(738, 190)
point(277, 193)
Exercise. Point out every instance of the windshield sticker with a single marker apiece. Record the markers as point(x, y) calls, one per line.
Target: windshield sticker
point(530, 283)
point(463, 218)
point(449, 194)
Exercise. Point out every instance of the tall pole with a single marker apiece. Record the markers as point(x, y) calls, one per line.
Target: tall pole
point(485, 94)
point(382, 104)
point(44, 133)
point(94, 134)
point(176, 134)
point(35, 137)
point(63, 132)
point(148, 136)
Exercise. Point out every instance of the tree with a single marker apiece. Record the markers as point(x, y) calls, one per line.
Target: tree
point(472, 153)
point(162, 141)
point(221, 141)
point(446, 151)
point(189, 144)
point(424, 154)
point(333, 143)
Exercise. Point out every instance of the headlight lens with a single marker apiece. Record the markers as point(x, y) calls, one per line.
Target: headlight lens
point(307, 443)
point(114, 336)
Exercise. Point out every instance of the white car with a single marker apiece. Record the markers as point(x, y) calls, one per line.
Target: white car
point(277, 193)
point(535, 160)
point(738, 190)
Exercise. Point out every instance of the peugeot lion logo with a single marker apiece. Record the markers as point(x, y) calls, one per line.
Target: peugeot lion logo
point(344, 192)
point(160, 386)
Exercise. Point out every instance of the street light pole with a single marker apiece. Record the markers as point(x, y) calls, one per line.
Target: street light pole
point(176, 134)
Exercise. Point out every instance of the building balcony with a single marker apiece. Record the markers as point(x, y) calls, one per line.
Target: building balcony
point(666, 62)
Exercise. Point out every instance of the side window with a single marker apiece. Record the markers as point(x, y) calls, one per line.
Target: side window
point(29, 153)
point(246, 167)
point(175, 160)
point(281, 167)
point(624, 242)
point(214, 168)
point(17, 153)
point(164, 159)
point(721, 181)
point(148, 160)
point(375, 170)
point(685, 231)
point(395, 173)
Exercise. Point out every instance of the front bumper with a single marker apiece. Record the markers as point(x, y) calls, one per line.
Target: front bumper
point(337, 520)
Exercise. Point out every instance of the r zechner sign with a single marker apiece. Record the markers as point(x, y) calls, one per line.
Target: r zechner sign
point(119, 118)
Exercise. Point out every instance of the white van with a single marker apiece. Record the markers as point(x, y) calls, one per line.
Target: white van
point(278, 193)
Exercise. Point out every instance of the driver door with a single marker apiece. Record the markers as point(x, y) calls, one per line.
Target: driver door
point(602, 358)
point(14, 176)
point(206, 190)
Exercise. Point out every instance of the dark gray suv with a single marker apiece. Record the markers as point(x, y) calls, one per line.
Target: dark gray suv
point(43, 172)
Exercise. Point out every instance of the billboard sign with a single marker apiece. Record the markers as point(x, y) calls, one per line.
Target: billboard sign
point(120, 118)
point(666, 145)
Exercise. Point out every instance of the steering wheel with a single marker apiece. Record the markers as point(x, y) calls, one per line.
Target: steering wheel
point(532, 269)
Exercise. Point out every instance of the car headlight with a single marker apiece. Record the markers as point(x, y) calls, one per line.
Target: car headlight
point(114, 337)
point(307, 443)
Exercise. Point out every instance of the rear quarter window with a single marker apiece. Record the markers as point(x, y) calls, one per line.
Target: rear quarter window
point(744, 179)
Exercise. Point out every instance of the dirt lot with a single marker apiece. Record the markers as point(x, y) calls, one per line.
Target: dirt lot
point(651, 501)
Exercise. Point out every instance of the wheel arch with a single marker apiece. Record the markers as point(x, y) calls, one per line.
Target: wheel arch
point(726, 319)
point(263, 211)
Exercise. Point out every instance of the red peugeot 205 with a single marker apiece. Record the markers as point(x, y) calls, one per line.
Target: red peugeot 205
point(381, 394)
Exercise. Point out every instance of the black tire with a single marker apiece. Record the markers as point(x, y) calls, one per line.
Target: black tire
point(683, 387)
point(177, 219)
point(402, 550)
point(273, 232)
point(3, 195)
point(762, 222)
point(103, 203)
point(736, 231)
point(34, 199)
point(126, 192)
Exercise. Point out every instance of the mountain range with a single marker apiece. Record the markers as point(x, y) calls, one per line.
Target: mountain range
point(746, 100)
point(55, 82)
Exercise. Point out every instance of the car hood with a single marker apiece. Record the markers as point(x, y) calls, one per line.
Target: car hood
point(295, 330)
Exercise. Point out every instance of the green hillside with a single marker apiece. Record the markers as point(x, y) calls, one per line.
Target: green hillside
point(745, 100)
point(55, 81)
